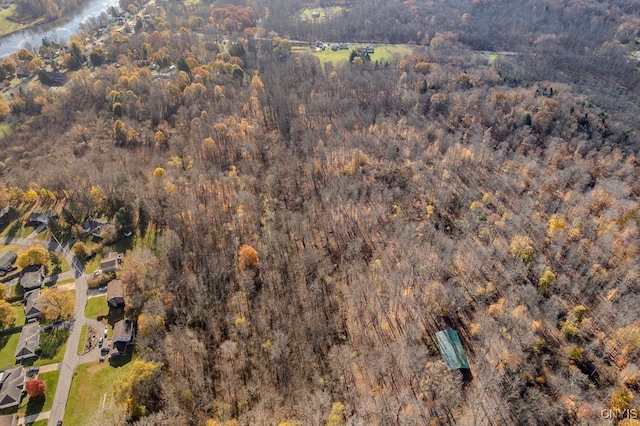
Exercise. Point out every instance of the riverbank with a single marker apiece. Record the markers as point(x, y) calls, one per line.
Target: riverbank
point(8, 26)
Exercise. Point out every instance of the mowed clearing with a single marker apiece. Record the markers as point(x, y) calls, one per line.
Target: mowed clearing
point(384, 53)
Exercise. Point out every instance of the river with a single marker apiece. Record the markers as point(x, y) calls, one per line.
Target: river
point(60, 30)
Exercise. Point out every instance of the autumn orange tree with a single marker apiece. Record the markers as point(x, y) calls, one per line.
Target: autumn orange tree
point(36, 388)
point(248, 257)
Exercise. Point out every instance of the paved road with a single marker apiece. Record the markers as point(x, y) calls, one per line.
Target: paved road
point(71, 358)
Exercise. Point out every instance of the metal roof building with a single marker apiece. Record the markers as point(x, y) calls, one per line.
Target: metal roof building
point(451, 349)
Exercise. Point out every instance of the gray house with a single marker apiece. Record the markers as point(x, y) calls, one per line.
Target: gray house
point(123, 334)
point(32, 305)
point(29, 341)
point(12, 386)
point(115, 294)
point(32, 277)
point(6, 262)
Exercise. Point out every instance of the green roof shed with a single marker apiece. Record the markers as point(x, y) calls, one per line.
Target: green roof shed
point(451, 349)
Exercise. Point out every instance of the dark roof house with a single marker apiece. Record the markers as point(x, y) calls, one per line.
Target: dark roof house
point(6, 261)
point(32, 277)
point(32, 304)
point(123, 334)
point(12, 386)
point(115, 294)
point(41, 217)
point(29, 341)
point(6, 214)
point(452, 350)
point(111, 262)
point(93, 227)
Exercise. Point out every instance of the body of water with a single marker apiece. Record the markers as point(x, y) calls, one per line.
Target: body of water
point(60, 30)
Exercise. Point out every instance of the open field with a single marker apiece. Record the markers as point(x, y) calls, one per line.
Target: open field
point(384, 53)
point(323, 13)
point(7, 26)
point(92, 382)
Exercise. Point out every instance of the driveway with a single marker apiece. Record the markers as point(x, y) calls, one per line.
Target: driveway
point(71, 358)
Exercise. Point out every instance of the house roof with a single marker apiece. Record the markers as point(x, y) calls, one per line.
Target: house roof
point(29, 341)
point(123, 331)
point(93, 226)
point(451, 349)
point(42, 216)
point(32, 304)
point(32, 277)
point(110, 262)
point(12, 386)
point(7, 259)
point(115, 289)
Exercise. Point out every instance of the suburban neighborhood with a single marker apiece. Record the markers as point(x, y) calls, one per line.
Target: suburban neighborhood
point(54, 321)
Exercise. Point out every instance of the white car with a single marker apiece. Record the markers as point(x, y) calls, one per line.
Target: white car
point(106, 332)
point(97, 272)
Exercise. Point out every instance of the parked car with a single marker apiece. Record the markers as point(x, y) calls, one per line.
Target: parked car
point(100, 342)
point(106, 332)
point(97, 272)
point(105, 351)
point(33, 371)
point(48, 328)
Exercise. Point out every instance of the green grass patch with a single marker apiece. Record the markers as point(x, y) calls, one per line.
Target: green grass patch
point(57, 264)
point(321, 13)
point(384, 53)
point(83, 338)
point(18, 308)
point(43, 422)
point(7, 26)
point(96, 307)
point(89, 385)
point(8, 345)
point(17, 229)
point(93, 264)
point(67, 281)
point(10, 247)
point(31, 406)
point(52, 346)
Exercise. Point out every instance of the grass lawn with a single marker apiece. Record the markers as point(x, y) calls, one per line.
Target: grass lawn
point(96, 307)
point(6, 26)
point(43, 422)
point(67, 281)
point(83, 339)
point(52, 347)
point(10, 247)
point(8, 345)
point(92, 381)
point(17, 229)
point(57, 264)
point(18, 308)
point(305, 15)
point(390, 53)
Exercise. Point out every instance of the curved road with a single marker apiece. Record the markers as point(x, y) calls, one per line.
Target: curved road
point(71, 357)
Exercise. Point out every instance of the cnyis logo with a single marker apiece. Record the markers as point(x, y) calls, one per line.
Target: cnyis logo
point(627, 413)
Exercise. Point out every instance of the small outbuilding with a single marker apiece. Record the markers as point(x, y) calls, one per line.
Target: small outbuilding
point(451, 349)
point(6, 262)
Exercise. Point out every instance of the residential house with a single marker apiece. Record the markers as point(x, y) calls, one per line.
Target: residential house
point(111, 262)
point(29, 341)
point(6, 214)
point(32, 304)
point(6, 262)
point(12, 386)
point(32, 277)
point(41, 217)
point(115, 294)
point(93, 227)
point(123, 334)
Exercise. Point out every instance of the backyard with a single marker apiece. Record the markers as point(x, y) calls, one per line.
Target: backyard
point(29, 406)
point(93, 382)
point(384, 53)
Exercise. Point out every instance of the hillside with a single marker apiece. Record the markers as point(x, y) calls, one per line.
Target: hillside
point(314, 225)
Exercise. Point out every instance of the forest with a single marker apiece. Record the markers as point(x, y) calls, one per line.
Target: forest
point(316, 224)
